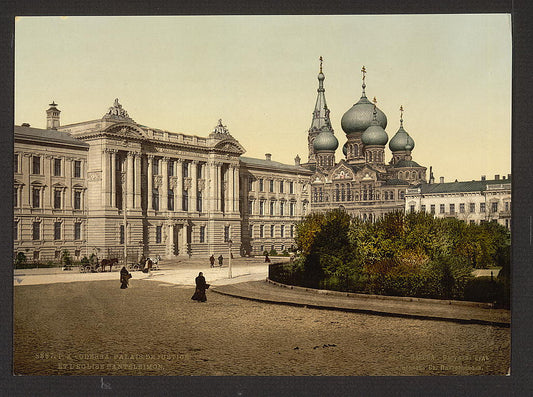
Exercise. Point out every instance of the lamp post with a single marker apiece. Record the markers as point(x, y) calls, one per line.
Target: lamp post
point(229, 251)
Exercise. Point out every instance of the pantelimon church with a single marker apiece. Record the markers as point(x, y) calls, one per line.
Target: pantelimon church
point(112, 185)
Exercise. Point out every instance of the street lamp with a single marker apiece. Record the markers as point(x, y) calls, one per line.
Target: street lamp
point(229, 249)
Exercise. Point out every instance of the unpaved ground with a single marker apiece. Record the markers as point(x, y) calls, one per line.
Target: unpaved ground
point(95, 328)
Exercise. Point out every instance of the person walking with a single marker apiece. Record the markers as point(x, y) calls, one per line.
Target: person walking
point(124, 278)
point(201, 287)
point(220, 260)
point(212, 260)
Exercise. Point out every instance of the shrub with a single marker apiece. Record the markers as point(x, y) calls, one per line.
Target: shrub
point(485, 289)
point(66, 259)
point(273, 252)
point(20, 260)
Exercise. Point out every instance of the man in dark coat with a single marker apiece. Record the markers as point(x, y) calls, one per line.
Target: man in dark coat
point(220, 260)
point(212, 260)
point(124, 277)
point(201, 286)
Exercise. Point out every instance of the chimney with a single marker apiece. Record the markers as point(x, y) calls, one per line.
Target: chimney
point(497, 177)
point(268, 156)
point(25, 125)
point(441, 179)
point(297, 161)
point(483, 177)
point(503, 177)
point(52, 117)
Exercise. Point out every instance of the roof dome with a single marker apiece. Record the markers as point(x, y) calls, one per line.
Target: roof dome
point(375, 135)
point(325, 141)
point(359, 117)
point(401, 140)
point(345, 149)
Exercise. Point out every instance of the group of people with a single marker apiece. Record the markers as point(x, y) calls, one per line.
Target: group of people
point(220, 260)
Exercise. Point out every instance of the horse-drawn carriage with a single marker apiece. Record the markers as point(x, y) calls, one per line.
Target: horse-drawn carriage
point(97, 267)
point(146, 264)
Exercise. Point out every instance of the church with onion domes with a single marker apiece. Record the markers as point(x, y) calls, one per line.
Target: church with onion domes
point(361, 182)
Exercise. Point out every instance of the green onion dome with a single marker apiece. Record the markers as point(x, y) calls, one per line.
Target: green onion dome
point(325, 141)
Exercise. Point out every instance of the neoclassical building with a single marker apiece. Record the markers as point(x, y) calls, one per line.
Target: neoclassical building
point(362, 182)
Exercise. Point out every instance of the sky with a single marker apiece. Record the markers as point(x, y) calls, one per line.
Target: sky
point(451, 74)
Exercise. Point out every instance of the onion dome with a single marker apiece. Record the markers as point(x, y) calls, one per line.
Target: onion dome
point(375, 134)
point(345, 149)
point(325, 141)
point(401, 140)
point(359, 117)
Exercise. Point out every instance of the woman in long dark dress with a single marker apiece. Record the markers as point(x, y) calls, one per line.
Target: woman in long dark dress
point(201, 286)
point(124, 278)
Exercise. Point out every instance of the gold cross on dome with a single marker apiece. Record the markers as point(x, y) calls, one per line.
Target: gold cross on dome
point(401, 111)
point(364, 72)
point(375, 101)
point(321, 64)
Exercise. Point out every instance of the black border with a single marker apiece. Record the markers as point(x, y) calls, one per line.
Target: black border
point(522, 349)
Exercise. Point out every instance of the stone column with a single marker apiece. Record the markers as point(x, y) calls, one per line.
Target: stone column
point(211, 185)
point(164, 184)
point(137, 186)
point(113, 178)
point(150, 180)
point(219, 185)
point(229, 184)
point(179, 185)
point(129, 181)
point(104, 186)
point(26, 189)
point(194, 186)
point(236, 178)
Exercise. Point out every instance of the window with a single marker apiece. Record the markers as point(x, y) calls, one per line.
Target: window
point(202, 234)
point(57, 230)
point(199, 202)
point(462, 208)
point(170, 169)
point(77, 231)
point(57, 198)
point(472, 207)
point(251, 231)
point(481, 207)
point(262, 207)
point(15, 230)
point(155, 167)
point(226, 234)
point(57, 167)
point(261, 187)
point(77, 169)
point(16, 163)
point(199, 171)
point(77, 199)
point(261, 232)
point(442, 209)
point(121, 237)
point(155, 199)
point(452, 208)
point(412, 208)
point(292, 230)
point(271, 187)
point(77, 253)
point(291, 187)
point(271, 230)
point(282, 230)
point(185, 169)
point(401, 195)
point(432, 208)
point(170, 200)
point(494, 207)
point(35, 255)
point(15, 196)
point(506, 206)
point(250, 184)
point(271, 208)
point(281, 208)
point(250, 206)
point(36, 197)
point(391, 195)
point(36, 165)
point(291, 208)
point(185, 200)
point(281, 186)
point(158, 230)
point(36, 231)
point(423, 208)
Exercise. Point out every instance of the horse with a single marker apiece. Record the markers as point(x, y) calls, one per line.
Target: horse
point(106, 262)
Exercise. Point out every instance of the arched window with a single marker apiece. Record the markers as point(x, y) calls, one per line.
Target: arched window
point(343, 197)
point(171, 200)
point(348, 193)
point(336, 197)
point(356, 150)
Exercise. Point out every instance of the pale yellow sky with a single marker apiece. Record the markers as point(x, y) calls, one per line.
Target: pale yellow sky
point(451, 73)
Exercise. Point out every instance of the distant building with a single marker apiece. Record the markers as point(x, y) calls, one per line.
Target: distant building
point(472, 202)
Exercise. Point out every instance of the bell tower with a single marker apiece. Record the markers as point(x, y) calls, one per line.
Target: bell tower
point(52, 117)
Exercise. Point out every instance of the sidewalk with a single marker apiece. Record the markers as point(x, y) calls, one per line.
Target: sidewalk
point(428, 309)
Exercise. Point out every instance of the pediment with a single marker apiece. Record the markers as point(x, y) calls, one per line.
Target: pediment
point(124, 130)
point(342, 172)
point(231, 146)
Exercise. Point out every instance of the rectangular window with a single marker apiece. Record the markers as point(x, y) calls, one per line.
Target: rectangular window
point(250, 206)
point(155, 199)
point(199, 171)
point(462, 208)
point(291, 187)
point(57, 167)
point(36, 165)
point(158, 230)
point(170, 168)
point(77, 169)
point(271, 186)
point(57, 230)
point(170, 200)
point(77, 200)
point(155, 167)
point(494, 207)
point(291, 208)
point(423, 208)
point(77, 231)
point(36, 232)
point(261, 207)
point(292, 230)
point(452, 208)
point(506, 206)
point(185, 169)
point(57, 198)
point(35, 255)
point(202, 234)
point(199, 202)
point(261, 186)
point(226, 234)
point(481, 207)
point(262, 231)
point(36, 198)
point(271, 208)
point(282, 230)
point(432, 208)
point(16, 162)
point(250, 184)
point(121, 234)
point(185, 201)
point(15, 230)
point(251, 231)
point(472, 207)
point(15, 196)
point(442, 209)
point(281, 186)
point(281, 208)
point(271, 230)
point(412, 208)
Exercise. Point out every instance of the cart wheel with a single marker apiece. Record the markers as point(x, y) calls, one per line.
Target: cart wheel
point(82, 269)
point(99, 269)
